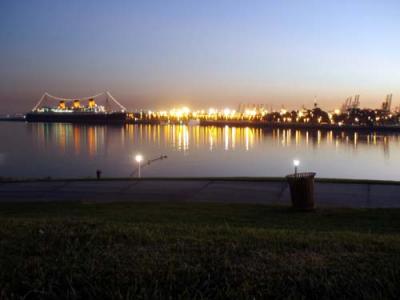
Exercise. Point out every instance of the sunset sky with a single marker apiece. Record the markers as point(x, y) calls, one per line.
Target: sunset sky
point(158, 54)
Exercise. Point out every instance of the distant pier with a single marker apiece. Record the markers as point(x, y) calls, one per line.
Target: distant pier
point(273, 125)
point(310, 126)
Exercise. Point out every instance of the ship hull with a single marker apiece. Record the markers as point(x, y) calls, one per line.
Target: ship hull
point(77, 117)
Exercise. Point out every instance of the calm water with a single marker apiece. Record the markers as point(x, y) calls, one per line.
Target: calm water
point(61, 150)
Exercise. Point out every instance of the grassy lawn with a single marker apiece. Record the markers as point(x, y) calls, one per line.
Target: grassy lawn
point(199, 251)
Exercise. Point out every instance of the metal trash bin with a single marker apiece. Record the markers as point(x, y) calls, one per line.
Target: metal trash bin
point(302, 190)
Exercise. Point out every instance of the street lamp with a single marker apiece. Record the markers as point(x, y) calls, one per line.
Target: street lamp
point(296, 163)
point(139, 159)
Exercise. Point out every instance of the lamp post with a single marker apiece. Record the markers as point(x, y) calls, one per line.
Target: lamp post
point(296, 164)
point(139, 159)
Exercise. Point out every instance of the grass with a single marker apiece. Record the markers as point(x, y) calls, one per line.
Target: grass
point(149, 250)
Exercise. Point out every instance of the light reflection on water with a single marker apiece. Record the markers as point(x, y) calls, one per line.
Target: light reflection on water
point(57, 150)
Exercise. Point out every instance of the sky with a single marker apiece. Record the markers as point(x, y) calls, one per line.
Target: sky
point(160, 54)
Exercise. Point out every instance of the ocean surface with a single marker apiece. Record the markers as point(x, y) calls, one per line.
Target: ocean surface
point(68, 150)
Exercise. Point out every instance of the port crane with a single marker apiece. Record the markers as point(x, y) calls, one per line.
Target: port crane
point(351, 103)
point(387, 104)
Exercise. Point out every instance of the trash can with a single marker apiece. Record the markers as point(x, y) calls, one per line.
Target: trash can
point(302, 190)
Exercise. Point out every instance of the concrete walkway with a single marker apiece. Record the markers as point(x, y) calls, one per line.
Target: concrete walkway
point(201, 190)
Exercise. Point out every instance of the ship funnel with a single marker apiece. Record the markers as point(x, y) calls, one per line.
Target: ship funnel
point(61, 105)
point(76, 104)
point(92, 103)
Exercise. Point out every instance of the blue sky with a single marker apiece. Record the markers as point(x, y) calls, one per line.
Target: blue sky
point(157, 54)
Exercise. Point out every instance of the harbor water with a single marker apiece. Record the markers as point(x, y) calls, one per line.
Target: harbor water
point(75, 150)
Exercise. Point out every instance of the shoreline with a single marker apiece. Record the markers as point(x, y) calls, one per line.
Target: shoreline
point(250, 124)
point(200, 178)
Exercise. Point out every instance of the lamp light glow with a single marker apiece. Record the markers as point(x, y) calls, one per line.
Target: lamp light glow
point(139, 158)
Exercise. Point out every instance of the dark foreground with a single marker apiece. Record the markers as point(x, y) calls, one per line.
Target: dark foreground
point(150, 250)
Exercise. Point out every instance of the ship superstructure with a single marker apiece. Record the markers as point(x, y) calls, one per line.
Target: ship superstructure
point(83, 110)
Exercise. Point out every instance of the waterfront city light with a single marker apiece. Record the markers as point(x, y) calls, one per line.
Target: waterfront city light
point(316, 117)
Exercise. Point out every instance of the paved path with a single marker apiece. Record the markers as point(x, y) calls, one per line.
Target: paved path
point(202, 190)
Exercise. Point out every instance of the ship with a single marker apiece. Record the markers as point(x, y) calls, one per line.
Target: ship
point(84, 110)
